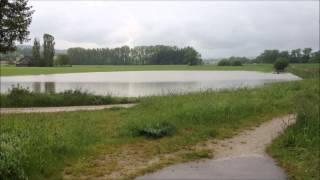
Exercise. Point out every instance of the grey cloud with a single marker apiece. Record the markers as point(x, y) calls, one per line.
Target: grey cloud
point(214, 28)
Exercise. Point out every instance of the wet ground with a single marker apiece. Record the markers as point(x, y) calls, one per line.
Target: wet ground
point(243, 167)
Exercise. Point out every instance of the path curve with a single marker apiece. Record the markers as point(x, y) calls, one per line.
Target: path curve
point(62, 109)
point(240, 157)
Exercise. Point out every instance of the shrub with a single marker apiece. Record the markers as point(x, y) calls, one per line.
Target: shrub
point(280, 64)
point(224, 62)
point(236, 63)
point(62, 60)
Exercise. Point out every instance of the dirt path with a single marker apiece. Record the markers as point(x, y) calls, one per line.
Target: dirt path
point(240, 157)
point(62, 109)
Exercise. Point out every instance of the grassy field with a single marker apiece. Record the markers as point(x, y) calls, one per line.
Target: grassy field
point(12, 70)
point(41, 146)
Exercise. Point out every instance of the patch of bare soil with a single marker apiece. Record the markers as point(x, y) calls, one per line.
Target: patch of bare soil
point(252, 141)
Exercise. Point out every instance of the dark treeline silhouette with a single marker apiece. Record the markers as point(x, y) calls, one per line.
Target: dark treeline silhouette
point(138, 55)
point(294, 56)
point(234, 61)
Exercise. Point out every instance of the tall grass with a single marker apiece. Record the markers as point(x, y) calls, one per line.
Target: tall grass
point(305, 71)
point(21, 97)
point(298, 149)
point(164, 115)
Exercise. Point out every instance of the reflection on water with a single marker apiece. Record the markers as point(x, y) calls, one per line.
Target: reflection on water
point(49, 87)
point(143, 83)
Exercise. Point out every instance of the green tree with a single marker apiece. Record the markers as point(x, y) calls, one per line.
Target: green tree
point(268, 56)
point(284, 54)
point(281, 64)
point(15, 17)
point(315, 57)
point(48, 49)
point(63, 60)
point(158, 54)
point(36, 53)
point(306, 55)
point(192, 57)
point(295, 56)
point(224, 62)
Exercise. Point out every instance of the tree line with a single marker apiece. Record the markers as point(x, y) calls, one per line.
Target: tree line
point(234, 61)
point(139, 55)
point(305, 55)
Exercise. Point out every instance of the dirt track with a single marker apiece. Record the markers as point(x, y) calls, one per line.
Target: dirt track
point(240, 157)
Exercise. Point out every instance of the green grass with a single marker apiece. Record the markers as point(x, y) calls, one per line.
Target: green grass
point(6, 70)
point(305, 71)
point(41, 145)
point(20, 97)
point(298, 149)
point(12, 70)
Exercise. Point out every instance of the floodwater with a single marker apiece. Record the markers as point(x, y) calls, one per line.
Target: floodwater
point(143, 83)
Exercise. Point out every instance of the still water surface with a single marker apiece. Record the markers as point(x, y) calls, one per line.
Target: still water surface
point(143, 83)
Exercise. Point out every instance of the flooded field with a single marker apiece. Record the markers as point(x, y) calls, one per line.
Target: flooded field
point(143, 83)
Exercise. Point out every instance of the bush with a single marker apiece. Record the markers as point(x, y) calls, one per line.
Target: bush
point(236, 63)
point(226, 62)
point(281, 64)
point(62, 60)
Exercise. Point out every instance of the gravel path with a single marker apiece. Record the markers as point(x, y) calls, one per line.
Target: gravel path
point(240, 157)
point(62, 109)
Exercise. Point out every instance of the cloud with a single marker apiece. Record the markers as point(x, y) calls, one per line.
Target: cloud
point(215, 28)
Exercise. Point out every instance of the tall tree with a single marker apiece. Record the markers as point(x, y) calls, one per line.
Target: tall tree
point(306, 55)
point(48, 49)
point(315, 57)
point(192, 57)
point(158, 54)
point(268, 56)
point(15, 17)
point(36, 53)
point(295, 56)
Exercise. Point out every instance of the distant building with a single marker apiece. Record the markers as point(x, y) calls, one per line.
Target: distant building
point(25, 61)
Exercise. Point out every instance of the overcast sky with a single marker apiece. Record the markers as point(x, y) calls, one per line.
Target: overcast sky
point(214, 28)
